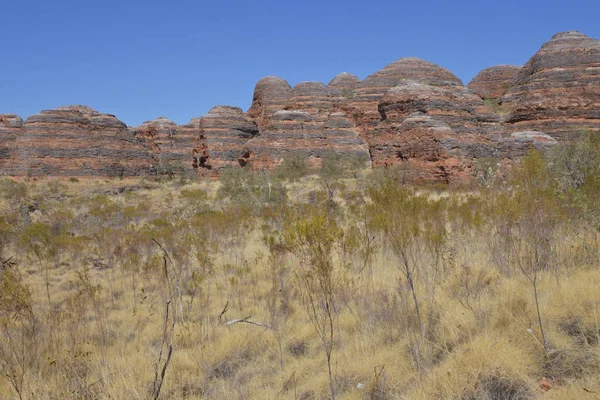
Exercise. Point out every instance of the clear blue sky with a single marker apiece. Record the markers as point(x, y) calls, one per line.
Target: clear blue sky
point(144, 59)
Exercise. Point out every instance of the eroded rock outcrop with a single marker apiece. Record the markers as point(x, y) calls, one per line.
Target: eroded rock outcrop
point(362, 104)
point(169, 144)
point(493, 82)
point(297, 132)
point(558, 89)
point(223, 134)
point(344, 85)
point(270, 95)
point(412, 112)
point(419, 144)
point(79, 141)
point(312, 97)
point(10, 128)
point(452, 104)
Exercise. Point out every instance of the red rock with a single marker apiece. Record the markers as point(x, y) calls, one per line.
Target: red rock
point(312, 97)
point(293, 132)
point(545, 384)
point(344, 86)
point(224, 132)
point(362, 107)
point(453, 104)
point(79, 141)
point(493, 82)
point(169, 143)
point(424, 146)
point(270, 95)
point(345, 80)
point(558, 89)
point(10, 127)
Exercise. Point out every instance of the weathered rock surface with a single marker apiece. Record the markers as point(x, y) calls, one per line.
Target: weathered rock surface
point(423, 146)
point(79, 141)
point(412, 112)
point(312, 97)
point(293, 132)
point(493, 82)
point(362, 104)
point(10, 127)
point(453, 104)
point(169, 144)
point(270, 95)
point(344, 85)
point(223, 134)
point(558, 89)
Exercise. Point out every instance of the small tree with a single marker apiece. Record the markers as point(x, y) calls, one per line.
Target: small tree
point(17, 322)
point(525, 221)
point(312, 236)
point(414, 228)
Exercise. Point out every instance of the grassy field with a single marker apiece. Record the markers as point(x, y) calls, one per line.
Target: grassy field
point(307, 288)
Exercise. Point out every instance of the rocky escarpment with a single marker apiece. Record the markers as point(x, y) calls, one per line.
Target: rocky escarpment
point(78, 141)
point(558, 89)
point(297, 132)
point(493, 82)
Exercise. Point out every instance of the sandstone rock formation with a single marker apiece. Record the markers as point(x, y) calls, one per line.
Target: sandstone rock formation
point(558, 89)
point(362, 107)
point(223, 134)
point(344, 85)
point(10, 126)
point(270, 95)
point(493, 82)
point(169, 144)
point(344, 80)
point(453, 104)
point(412, 112)
point(79, 141)
point(312, 97)
point(293, 132)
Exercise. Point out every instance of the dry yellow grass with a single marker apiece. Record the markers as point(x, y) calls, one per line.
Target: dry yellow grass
point(105, 344)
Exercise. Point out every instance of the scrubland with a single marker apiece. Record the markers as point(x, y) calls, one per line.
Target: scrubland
point(297, 284)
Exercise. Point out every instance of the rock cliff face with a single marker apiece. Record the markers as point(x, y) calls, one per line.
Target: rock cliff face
point(10, 127)
point(312, 97)
point(411, 113)
point(169, 145)
point(452, 103)
point(558, 89)
point(79, 141)
point(223, 133)
point(361, 104)
point(297, 132)
point(270, 95)
point(493, 82)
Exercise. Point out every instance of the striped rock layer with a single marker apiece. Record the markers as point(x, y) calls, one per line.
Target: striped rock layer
point(169, 144)
point(297, 132)
point(558, 89)
point(77, 141)
point(493, 82)
point(411, 113)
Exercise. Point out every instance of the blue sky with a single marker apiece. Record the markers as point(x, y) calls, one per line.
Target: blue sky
point(143, 59)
